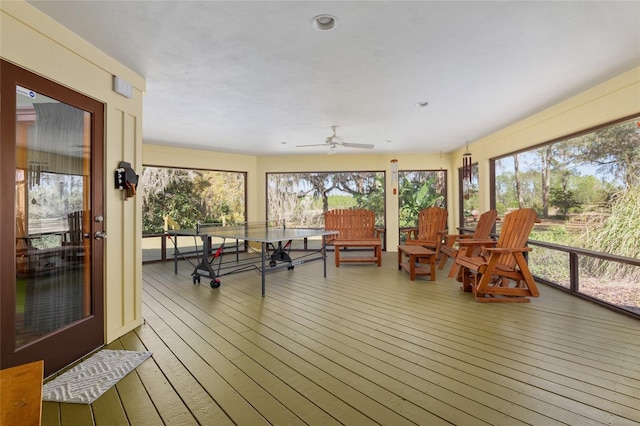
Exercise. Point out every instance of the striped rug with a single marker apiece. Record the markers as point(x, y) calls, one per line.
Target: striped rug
point(88, 380)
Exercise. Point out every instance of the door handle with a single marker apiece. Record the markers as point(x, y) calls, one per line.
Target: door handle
point(100, 235)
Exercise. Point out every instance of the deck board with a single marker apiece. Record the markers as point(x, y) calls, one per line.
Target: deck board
point(244, 359)
point(405, 343)
point(366, 346)
point(108, 409)
point(199, 402)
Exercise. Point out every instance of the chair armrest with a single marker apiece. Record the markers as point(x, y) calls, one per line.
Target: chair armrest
point(449, 239)
point(455, 236)
point(379, 231)
point(472, 242)
point(412, 233)
point(501, 250)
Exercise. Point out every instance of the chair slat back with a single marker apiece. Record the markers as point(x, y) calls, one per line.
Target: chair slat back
point(431, 221)
point(485, 224)
point(352, 224)
point(75, 227)
point(515, 232)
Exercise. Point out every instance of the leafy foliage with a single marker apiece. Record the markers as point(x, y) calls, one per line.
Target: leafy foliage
point(189, 197)
point(619, 234)
point(564, 200)
point(373, 198)
point(417, 191)
point(615, 150)
point(178, 200)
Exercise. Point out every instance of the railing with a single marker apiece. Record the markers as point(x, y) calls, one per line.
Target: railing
point(155, 252)
point(629, 293)
point(567, 275)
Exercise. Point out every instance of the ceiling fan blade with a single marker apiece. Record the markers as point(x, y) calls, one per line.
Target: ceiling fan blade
point(334, 141)
point(314, 144)
point(357, 145)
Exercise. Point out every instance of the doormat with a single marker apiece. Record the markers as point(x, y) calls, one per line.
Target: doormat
point(88, 380)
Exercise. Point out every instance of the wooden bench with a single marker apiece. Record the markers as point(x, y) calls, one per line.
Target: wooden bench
point(356, 228)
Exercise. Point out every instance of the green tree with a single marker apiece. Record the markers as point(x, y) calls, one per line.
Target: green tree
point(557, 167)
point(614, 150)
point(179, 199)
point(506, 197)
point(564, 199)
point(223, 196)
point(301, 198)
point(417, 191)
point(190, 196)
point(373, 198)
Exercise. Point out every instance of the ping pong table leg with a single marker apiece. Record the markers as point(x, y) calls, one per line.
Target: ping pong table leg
point(263, 271)
point(175, 256)
point(324, 258)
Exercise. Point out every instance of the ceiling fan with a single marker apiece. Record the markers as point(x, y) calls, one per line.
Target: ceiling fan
point(334, 141)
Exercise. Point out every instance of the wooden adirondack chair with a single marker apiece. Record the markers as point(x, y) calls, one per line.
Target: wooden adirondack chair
point(75, 249)
point(432, 222)
point(499, 273)
point(450, 246)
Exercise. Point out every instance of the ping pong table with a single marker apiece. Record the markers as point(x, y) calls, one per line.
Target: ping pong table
point(275, 241)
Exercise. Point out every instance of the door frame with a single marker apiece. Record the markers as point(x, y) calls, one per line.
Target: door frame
point(70, 343)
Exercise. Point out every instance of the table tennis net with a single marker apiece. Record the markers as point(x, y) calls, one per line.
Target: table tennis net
point(203, 228)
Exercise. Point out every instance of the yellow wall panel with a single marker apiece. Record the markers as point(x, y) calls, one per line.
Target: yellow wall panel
point(34, 41)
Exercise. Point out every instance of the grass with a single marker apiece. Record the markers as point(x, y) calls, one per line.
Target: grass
point(21, 292)
point(618, 234)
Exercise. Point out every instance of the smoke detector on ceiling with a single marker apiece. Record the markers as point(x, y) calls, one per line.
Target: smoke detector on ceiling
point(324, 22)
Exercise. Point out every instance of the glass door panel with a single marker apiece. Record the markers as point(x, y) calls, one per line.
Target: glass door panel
point(53, 280)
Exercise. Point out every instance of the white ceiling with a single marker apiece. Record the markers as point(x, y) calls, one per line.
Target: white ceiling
point(254, 76)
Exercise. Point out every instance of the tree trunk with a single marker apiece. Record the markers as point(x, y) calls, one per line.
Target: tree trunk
point(546, 179)
point(516, 167)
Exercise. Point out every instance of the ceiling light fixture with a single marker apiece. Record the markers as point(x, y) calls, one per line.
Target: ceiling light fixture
point(324, 22)
point(422, 104)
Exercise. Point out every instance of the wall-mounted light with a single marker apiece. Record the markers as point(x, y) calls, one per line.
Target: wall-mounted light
point(122, 86)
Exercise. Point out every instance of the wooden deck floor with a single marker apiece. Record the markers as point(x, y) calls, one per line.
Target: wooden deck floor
point(366, 346)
